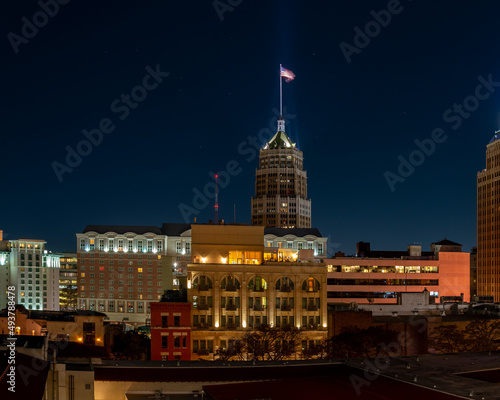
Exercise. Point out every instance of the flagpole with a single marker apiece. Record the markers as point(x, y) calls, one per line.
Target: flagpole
point(281, 94)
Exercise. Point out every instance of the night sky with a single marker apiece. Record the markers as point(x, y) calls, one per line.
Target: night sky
point(215, 83)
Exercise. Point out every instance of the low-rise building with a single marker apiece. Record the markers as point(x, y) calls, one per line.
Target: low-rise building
point(379, 277)
point(74, 326)
point(171, 330)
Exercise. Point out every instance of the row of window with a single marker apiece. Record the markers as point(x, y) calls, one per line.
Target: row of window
point(383, 269)
point(403, 282)
point(256, 303)
point(121, 306)
point(120, 269)
point(120, 296)
point(230, 322)
point(111, 255)
point(257, 284)
point(178, 342)
point(120, 276)
point(109, 245)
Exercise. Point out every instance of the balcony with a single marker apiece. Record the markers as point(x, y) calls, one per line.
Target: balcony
point(231, 307)
point(311, 327)
point(203, 307)
point(231, 288)
point(202, 326)
point(261, 289)
point(312, 308)
point(286, 289)
point(231, 326)
point(203, 352)
point(286, 307)
point(309, 290)
point(258, 308)
point(203, 288)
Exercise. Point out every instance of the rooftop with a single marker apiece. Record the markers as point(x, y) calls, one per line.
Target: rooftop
point(299, 232)
point(280, 141)
point(446, 242)
point(122, 229)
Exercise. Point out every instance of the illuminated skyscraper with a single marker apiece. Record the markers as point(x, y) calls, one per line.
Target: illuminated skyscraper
point(488, 222)
point(281, 185)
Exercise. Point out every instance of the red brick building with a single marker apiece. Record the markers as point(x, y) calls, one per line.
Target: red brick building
point(170, 331)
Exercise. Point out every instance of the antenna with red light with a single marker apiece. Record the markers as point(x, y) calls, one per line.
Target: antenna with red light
point(216, 206)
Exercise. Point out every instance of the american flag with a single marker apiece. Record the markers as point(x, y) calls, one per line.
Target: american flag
point(287, 74)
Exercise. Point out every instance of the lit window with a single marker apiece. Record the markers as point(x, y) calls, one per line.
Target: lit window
point(139, 269)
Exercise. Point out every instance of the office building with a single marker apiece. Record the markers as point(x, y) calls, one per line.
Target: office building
point(379, 277)
point(281, 185)
point(488, 222)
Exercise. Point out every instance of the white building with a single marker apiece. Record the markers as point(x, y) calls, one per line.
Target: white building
point(32, 270)
point(121, 269)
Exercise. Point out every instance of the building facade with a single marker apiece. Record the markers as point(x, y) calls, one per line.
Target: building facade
point(170, 331)
point(235, 284)
point(379, 277)
point(32, 271)
point(488, 222)
point(309, 241)
point(68, 282)
point(281, 185)
point(122, 269)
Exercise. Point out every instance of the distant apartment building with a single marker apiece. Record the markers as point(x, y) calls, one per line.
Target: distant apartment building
point(236, 284)
point(32, 271)
point(379, 277)
point(122, 269)
point(68, 283)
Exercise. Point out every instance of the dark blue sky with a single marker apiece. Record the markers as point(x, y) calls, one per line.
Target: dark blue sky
point(352, 120)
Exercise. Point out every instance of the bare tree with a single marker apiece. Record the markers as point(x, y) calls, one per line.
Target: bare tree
point(484, 335)
point(450, 339)
point(355, 342)
point(234, 351)
point(267, 343)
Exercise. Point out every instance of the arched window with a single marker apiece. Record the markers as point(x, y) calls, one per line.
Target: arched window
point(257, 284)
point(202, 282)
point(230, 284)
point(284, 284)
point(310, 285)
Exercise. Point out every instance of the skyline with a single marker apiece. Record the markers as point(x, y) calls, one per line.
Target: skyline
point(356, 109)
